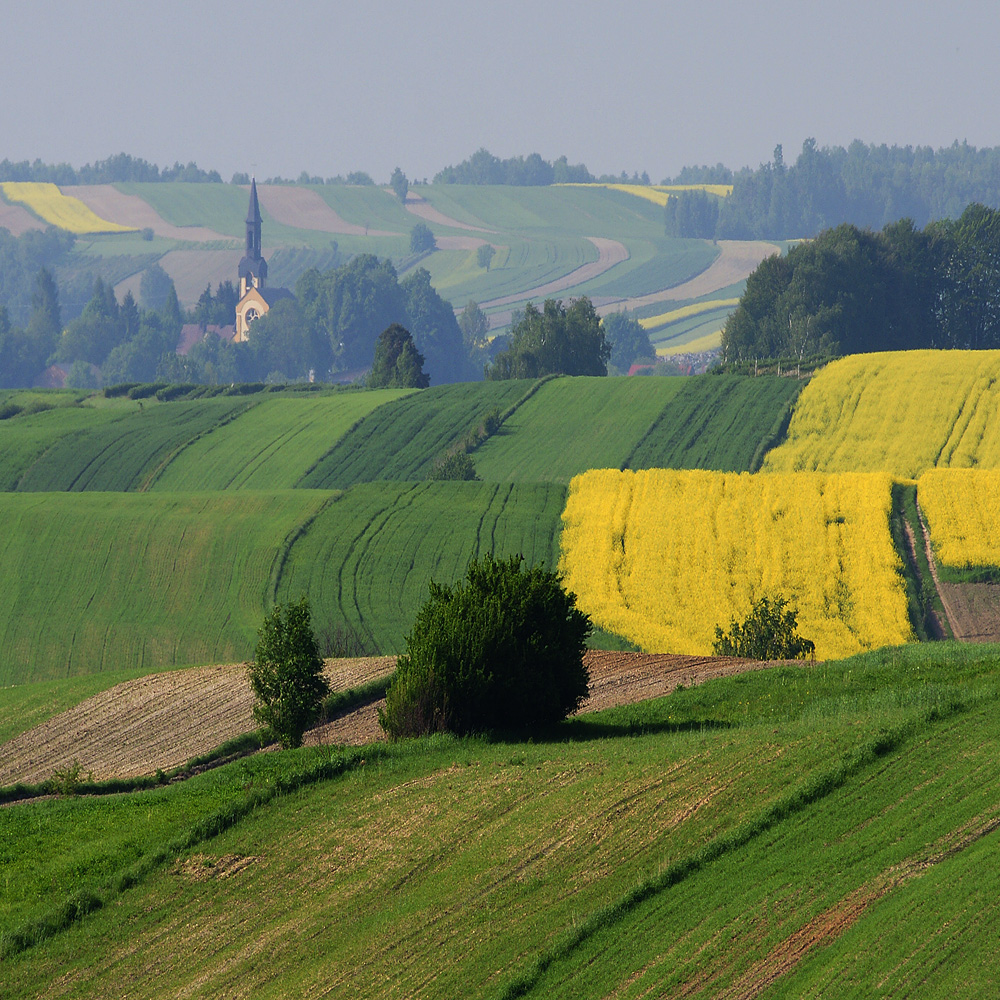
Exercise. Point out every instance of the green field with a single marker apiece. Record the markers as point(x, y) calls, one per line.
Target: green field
point(271, 445)
point(589, 423)
point(402, 440)
point(127, 453)
point(816, 830)
point(98, 582)
point(721, 422)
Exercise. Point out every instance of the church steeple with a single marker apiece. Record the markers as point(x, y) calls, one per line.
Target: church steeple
point(253, 223)
point(253, 267)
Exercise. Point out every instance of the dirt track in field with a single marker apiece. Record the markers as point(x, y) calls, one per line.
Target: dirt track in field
point(163, 720)
point(302, 208)
point(17, 219)
point(130, 210)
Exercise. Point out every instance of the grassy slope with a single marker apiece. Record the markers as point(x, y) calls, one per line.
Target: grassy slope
point(721, 422)
point(126, 454)
point(367, 559)
point(588, 423)
point(175, 578)
point(105, 582)
point(402, 440)
point(612, 858)
point(271, 445)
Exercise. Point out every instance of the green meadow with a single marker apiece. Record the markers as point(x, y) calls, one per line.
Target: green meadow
point(800, 831)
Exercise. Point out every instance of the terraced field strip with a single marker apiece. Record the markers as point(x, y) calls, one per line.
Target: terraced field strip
point(663, 557)
point(721, 422)
point(402, 439)
point(901, 412)
point(125, 454)
point(272, 444)
point(130, 210)
point(25, 438)
point(368, 557)
point(17, 220)
point(50, 204)
point(652, 323)
point(736, 261)
point(609, 253)
point(589, 423)
point(419, 206)
point(95, 581)
point(303, 208)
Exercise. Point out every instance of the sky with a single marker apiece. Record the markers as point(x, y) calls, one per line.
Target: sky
point(280, 87)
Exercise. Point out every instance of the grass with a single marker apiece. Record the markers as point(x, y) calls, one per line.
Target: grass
point(368, 557)
point(588, 422)
point(721, 422)
point(403, 439)
point(126, 453)
point(694, 844)
point(101, 582)
point(271, 445)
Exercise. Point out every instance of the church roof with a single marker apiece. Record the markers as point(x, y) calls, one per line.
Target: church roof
point(272, 295)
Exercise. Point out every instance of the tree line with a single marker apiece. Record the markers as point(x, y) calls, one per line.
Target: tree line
point(525, 171)
point(852, 290)
point(119, 168)
point(867, 185)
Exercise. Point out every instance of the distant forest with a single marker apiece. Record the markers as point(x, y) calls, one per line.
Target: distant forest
point(866, 185)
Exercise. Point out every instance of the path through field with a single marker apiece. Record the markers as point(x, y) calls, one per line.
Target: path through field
point(422, 208)
point(303, 208)
point(130, 210)
point(163, 720)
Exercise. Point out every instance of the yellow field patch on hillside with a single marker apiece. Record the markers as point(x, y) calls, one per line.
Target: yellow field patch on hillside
point(660, 194)
point(662, 557)
point(697, 346)
point(695, 309)
point(962, 510)
point(901, 412)
point(50, 204)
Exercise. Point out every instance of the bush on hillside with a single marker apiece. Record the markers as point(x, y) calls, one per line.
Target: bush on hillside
point(767, 633)
point(501, 650)
point(286, 673)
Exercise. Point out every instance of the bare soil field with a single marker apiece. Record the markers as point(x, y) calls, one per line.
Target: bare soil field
point(163, 720)
point(302, 208)
point(735, 262)
point(191, 271)
point(130, 210)
point(420, 207)
point(17, 219)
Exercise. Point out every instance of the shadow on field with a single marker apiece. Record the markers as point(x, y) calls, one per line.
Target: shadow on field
point(585, 730)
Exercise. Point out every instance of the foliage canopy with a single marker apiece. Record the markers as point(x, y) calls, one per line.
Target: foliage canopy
point(767, 633)
point(286, 673)
point(502, 649)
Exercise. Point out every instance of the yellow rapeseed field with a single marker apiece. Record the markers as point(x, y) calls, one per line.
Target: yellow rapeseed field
point(962, 510)
point(707, 343)
point(901, 412)
point(652, 322)
point(50, 204)
point(659, 194)
point(663, 556)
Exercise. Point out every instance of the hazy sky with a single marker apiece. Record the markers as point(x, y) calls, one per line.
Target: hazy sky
point(285, 86)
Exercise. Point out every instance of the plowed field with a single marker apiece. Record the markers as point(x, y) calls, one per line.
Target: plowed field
point(302, 208)
point(163, 720)
point(17, 219)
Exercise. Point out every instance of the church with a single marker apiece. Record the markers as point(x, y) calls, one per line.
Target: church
point(255, 297)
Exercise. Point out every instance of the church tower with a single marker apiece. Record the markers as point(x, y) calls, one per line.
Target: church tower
point(253, 267)
point(255, 297)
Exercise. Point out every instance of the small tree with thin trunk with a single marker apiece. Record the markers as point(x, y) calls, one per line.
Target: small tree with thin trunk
point(286, 673)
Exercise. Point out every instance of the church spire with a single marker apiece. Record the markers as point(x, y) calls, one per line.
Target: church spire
point(253, 224)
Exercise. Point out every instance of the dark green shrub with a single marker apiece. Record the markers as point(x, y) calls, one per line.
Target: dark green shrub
point(121, 389)
point(146, 390)
point(501, 650)
point(456, 465)
point(175, 391)
point(767, 633)
point(8, 410)
point(286, 673)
